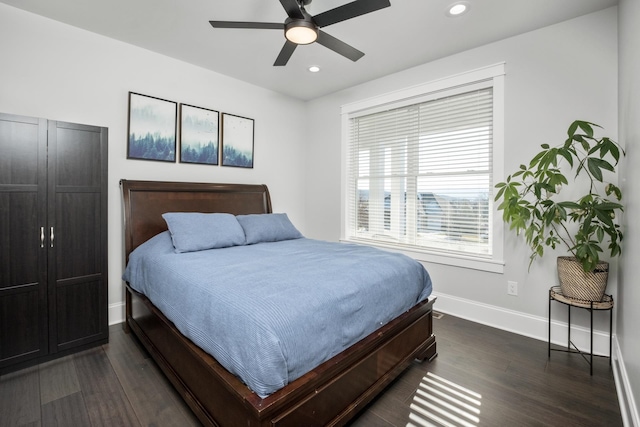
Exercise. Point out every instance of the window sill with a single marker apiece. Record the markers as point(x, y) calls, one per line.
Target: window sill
point(488, 265)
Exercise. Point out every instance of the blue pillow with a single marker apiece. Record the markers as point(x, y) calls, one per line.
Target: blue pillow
point(267, 228)
point(193, 231)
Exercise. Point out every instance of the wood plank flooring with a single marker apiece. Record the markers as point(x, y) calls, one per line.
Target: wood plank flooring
point(482, 377)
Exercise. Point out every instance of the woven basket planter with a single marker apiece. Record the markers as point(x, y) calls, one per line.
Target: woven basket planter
point(578, 284)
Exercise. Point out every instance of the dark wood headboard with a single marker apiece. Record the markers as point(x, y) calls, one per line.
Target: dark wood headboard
point(144, 203)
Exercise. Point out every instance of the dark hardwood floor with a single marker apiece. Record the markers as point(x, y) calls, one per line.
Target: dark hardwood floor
point(482, 377)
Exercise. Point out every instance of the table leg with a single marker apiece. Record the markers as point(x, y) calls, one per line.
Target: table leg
point(591, 337)
point(569, 328)
point(549, 336)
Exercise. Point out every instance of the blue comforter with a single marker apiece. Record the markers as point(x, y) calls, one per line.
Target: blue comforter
point(270, 312)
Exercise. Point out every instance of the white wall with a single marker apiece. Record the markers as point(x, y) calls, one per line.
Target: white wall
point(628, 302)
point(52, 70)
point(553, 76)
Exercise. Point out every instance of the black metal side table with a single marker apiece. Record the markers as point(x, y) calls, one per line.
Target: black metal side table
point(606, 304)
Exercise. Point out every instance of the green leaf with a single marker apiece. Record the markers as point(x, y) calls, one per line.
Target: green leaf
point(586, 199)
point(612, 189)
point(615, 249)
point(567, 155)
point(603, 164)
point(548, 187)
point(569, 205)
point(604, 217)
point(618, 194)
point(608, 206)
point(587, 265)
point(537, 190)
point(581, 251)
point(561, 214)
point(528, 233)
point(594, 149)
point(594, 168)
point(586, 127)
point(583, 141)
point(550, 215)
point(612, 147)
point(536, 159)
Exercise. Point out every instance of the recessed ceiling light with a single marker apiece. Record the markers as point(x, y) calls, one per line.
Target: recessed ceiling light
point(458, 8)
point(314, 68)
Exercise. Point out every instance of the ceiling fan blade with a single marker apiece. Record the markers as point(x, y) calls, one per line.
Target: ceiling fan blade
point(348, 11)
point(285, 54)
point(255, 25)
point(338, 46)
point(292, 8)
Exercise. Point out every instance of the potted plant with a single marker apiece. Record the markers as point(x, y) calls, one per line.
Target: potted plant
point(531, 203)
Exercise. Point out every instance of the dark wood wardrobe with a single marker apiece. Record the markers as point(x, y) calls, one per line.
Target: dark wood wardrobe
point(53, 239)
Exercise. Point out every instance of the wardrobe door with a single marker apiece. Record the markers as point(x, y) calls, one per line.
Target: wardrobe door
point(77, 192)
point(23, 296)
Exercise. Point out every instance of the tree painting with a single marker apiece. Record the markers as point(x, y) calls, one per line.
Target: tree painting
point(198, 135)
point(152, 128)
point(237, 141)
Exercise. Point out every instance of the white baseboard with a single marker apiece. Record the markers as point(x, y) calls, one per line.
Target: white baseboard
point(521, 323)
point(116, 313)
point(628, 407)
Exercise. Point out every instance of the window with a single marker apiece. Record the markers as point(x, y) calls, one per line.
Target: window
point(420, 167)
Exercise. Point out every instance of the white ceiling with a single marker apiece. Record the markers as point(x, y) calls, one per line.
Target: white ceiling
point(409, 33)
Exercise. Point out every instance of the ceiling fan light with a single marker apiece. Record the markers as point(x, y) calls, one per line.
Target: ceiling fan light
point(301, 32)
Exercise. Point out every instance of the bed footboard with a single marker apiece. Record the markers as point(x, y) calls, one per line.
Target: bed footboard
point(331, 394)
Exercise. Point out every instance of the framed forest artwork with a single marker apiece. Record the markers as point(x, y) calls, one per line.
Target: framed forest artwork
point(198, 135)
point(237, 141)
point(152, 128)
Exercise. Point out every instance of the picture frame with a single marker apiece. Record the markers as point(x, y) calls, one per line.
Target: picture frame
point(199, 135)
point(237, 141)
point(152, 128)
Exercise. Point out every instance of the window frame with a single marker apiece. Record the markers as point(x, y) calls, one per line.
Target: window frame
point(490, 76)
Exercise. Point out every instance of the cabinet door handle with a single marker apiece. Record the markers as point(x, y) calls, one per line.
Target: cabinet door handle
point(51, 236)
point(42, 237)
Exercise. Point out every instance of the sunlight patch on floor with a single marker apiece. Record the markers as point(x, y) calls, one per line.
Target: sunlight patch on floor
point(440, 402)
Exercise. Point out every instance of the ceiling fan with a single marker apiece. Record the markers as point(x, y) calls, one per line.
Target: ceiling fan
point(302, 28)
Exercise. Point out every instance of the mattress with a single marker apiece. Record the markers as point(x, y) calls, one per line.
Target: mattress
point(271, 312)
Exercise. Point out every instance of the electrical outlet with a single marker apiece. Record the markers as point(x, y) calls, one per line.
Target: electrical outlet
point(512, 288)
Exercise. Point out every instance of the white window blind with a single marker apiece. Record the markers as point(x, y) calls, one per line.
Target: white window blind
point(419, 176)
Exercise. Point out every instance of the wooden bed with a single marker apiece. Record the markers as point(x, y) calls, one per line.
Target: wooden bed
point(331, 394)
